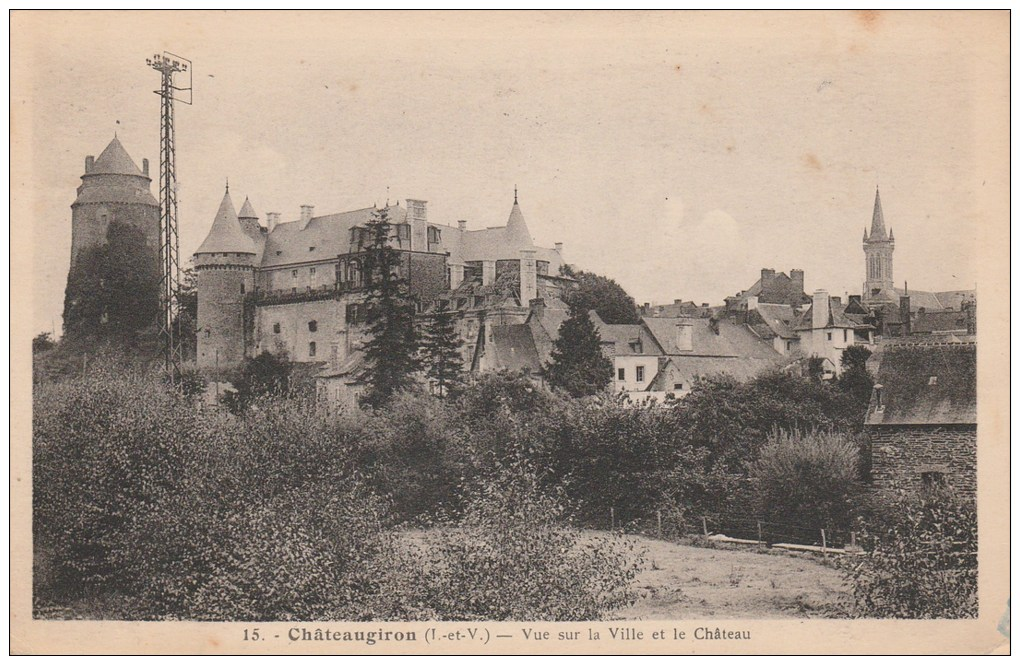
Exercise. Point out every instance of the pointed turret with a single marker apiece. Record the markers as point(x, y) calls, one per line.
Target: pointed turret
point(877, 220)
point(247, 211)
point(517, 229)
point(115, 160)
point(226, 235)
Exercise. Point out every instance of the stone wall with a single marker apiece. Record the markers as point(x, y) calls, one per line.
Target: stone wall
point(902, 457)
point(223, 336)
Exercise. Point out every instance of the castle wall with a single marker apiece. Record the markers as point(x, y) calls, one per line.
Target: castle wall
point(285, 328)
point(312, 274)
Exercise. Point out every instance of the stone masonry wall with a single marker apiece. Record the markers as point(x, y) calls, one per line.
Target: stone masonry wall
point(901, 455)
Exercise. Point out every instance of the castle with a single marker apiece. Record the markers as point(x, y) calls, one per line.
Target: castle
point(297, 287)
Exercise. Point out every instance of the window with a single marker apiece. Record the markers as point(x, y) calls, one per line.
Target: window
point(276, 328)
point(621, 374)
point(313, 326)
point(639, 374)
point(678, 386)
point(844, 334)
point(828, 335)
point(636, 347)
point(293, 273)
point(788, 345)
point(311, 248)
point(242, 288)
point(311, 271)
point(352, 313)
point(279, 252)
point(433, 235)
point(311, 349)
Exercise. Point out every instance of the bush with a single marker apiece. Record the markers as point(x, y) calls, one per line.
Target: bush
point(513, 558)
point(806, 479)
point(919, 563)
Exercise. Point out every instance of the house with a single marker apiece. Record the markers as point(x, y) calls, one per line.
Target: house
point(694, 349)
point(922, 419)
point(772, 288)
point(826, 330)
point(633, 351)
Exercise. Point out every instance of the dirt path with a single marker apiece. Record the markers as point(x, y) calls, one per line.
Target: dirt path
point(684, 582)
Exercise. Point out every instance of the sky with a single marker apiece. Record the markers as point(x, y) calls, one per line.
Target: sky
point(678, 153)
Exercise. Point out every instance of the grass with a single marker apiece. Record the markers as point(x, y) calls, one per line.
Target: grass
point(688, 582)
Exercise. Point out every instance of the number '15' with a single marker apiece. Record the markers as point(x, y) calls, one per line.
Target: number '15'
point(253, 635)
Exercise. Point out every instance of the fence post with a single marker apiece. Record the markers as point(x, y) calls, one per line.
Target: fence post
point(704, 524)
point(612, 519)
point(658, 522)
point(823, 542)
point(853, 539)
point(759, 535)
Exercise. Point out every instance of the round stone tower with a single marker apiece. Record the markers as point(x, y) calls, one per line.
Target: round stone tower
point(113, 189)
point(225, 263)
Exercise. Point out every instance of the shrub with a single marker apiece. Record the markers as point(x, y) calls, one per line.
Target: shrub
point(919, 563)
point(512, 558)
point(806, 479)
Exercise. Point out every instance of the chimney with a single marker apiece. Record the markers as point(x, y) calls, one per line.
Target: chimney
point(559, 247)
point(854, 297)
point(462, 225)
point(488, 272)
point(529, 275)
point(306, 215)
point(417, 215)
point(713, 324)
point(797, 277)
point(145, 167)
point(767, 275)
point(677, 301)
point(752, 302)
point(456, 275)
point(684, 336)
point(538, 308)
point(905, 314)
point(820, 309)
point(90, 161)
point(272, 218)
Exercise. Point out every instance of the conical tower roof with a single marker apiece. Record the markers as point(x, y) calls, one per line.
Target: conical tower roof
point(247, 211)
point(115, 160)
point(226, 235)
point(877, 220)
point(517, 229)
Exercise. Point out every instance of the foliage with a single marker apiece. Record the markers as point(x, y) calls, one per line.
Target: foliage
point(920, 560)
point(513, 558)
point(578, 366)
point(441, 346)
point(113, 288)
point(806, 478)
point(187, 314)
point(267, 374)
point(856, 380)
point(43, 342)
point(602, 294)
point(815, 368)
point(392, 346)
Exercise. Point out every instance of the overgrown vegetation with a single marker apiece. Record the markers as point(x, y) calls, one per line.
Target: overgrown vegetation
point(921, 562)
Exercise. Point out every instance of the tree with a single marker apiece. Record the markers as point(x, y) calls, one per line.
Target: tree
point(855, 379)
point(267, 374)
point(187, 313)
point(578, 365)
point(602, 294)
point(391, 350)
point(441, 354)
point(42, 342)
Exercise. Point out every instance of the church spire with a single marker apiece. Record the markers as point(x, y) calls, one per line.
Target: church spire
point(877, 220)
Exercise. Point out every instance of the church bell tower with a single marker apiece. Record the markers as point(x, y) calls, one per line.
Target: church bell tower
point(878, 255)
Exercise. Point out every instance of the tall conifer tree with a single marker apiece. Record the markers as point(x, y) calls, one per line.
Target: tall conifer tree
point(441, 353)
point(391, 350)
point(578, 365)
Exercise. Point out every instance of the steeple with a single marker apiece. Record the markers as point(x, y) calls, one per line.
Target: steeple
point(226, 235)
point(517, 230)
point(247, 211)
point(877, 220)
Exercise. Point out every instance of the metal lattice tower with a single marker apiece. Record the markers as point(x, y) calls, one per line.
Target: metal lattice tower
point(169, 248)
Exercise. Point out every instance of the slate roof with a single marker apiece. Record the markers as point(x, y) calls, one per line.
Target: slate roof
point(926, 384)
point(954, 299)
point(513, 348)
point(944, 320)
point(330, 235)
point(226, 235)
point(546, 327)
point(878, 220)
point(733, 341)
point(616, 338)
point(779, 319)
point(837, 317)
point(696, 367)
point(115, 160)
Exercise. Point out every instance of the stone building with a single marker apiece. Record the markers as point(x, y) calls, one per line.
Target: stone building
point(922, 420)
point(113, 190)
point(298, 287)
